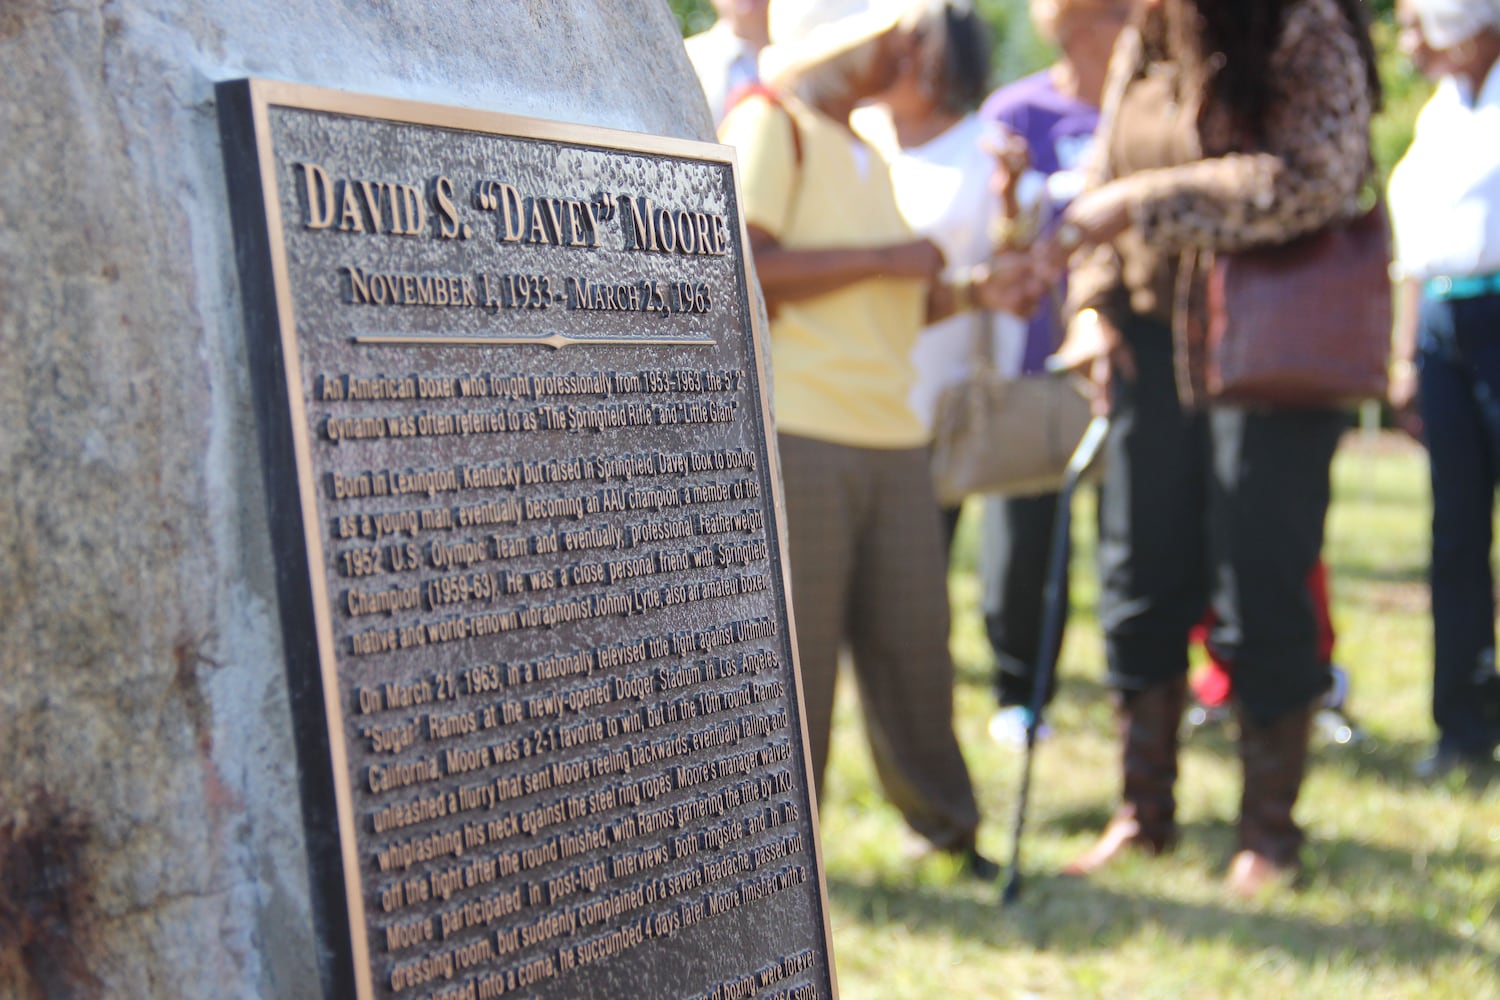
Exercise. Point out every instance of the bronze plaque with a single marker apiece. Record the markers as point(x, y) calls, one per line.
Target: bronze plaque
point(532, 579)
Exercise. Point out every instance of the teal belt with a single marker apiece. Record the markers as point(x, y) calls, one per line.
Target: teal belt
point(1466, 286)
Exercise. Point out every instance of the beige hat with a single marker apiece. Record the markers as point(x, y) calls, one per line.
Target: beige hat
point(806, 33)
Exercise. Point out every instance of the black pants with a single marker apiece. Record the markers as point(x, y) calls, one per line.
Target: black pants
point(1015, 539)
point(1221, 507)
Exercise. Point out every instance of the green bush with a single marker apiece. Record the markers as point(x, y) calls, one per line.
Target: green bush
point(1406, 91)
point(693, 15)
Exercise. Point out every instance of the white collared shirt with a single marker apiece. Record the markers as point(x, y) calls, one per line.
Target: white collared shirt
point(1444, 195)
point(943, 190)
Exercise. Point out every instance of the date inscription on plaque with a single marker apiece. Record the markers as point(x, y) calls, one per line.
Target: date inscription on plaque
point(531, 577)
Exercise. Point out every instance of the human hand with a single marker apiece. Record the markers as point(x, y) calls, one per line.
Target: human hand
point(1401, 393)
point(1009, 283)
point(1099, 214)
point(1094, 348)
point(1094, 217)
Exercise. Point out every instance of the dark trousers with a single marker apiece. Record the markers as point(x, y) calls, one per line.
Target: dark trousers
point(1459, 361)
point(1220, 508)
point(1015, 539)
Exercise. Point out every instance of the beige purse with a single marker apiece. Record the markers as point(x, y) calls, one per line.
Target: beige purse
point(997, 434)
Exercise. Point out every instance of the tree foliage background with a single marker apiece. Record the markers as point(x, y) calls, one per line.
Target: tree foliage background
point(1017, 51)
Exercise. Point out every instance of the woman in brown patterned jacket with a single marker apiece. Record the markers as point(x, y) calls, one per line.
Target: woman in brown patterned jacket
point(1227, 124)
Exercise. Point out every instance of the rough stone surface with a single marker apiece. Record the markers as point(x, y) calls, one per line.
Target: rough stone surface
point(150, 832)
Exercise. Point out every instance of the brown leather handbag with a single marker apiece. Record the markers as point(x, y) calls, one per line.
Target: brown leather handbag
point(1302, 324)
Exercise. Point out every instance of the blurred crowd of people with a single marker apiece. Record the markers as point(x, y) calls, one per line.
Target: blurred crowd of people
point(902, 210)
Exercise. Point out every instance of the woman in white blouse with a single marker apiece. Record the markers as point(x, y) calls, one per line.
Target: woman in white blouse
point(1445, 382)
point(925, 127)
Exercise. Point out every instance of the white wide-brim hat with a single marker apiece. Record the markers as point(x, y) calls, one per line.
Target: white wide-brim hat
point(807, 33)
point(1448, 23)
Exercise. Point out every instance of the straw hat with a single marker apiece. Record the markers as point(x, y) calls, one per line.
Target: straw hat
point(806, 33)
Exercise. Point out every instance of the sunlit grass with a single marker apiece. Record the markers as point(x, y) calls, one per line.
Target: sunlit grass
point(1400, 895)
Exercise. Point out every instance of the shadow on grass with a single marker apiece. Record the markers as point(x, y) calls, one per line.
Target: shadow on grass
point(1393, 763)
point(1070, 916)
point(1372, 756)
point(1376, 759)
point(1084, 702)
point(1391, 768)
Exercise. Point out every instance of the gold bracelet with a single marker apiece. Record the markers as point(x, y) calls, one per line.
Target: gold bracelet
point(973, 277)
point(963, 292)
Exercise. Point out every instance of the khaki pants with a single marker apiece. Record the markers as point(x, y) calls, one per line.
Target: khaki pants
point(868, 569)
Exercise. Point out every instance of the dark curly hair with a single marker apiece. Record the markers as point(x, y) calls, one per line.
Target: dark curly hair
point(956, 51)
point(1239, 37)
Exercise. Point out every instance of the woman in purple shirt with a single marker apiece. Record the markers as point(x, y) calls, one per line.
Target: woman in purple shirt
point(1055, 112)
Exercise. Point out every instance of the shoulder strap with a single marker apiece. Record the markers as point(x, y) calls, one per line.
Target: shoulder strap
point(769, 94)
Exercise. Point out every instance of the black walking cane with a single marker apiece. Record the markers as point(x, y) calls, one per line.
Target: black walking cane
point(1053, 610)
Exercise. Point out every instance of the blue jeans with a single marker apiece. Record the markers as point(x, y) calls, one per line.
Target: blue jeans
point(1458, 359)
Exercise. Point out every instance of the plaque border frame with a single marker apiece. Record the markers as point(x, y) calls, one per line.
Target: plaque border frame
point(244, 107)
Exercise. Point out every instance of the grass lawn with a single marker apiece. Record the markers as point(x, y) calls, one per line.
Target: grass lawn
point(1400, 898)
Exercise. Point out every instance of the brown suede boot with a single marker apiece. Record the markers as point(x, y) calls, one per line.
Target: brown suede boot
point(1145, 819)
point(1274, 759)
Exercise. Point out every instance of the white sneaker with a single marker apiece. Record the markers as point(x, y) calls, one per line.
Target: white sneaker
point(1333, 727)
point(1338, 691)
point(1332, 720)
point(1008, 726)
